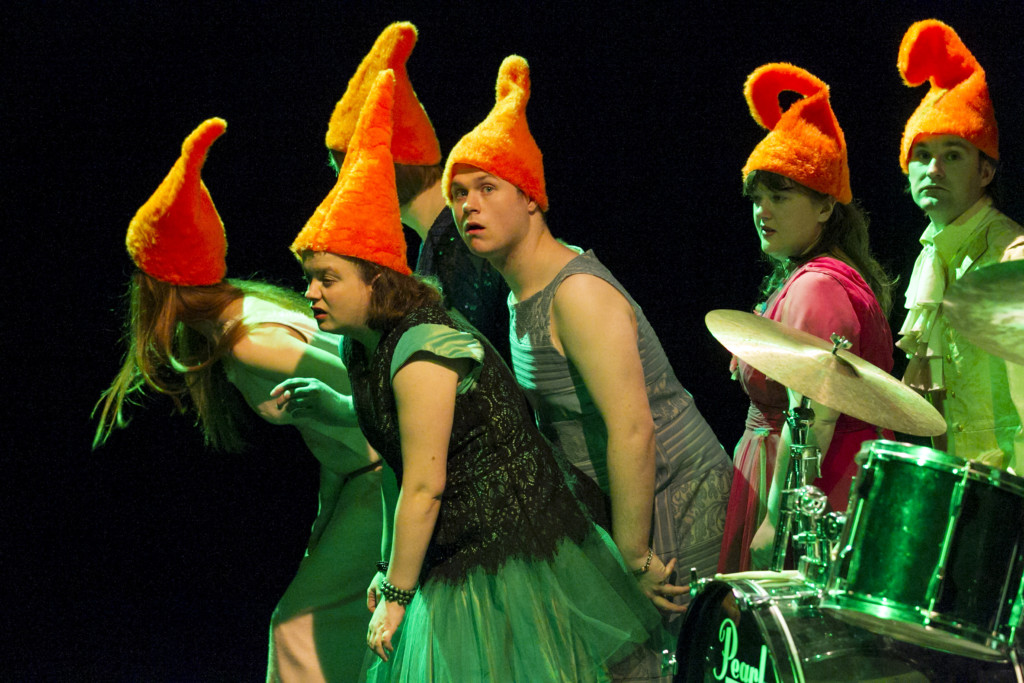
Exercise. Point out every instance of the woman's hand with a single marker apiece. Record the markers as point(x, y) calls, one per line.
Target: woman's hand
point(654, 584)
point(762, 545)
point(385, 621)
point(373, 594)
point(310, 399)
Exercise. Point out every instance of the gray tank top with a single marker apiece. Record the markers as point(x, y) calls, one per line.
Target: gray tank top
point(686, 448)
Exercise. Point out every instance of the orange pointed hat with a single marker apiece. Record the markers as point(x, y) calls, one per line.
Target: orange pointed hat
point(957, 102)
point(805, 143)
point(360, 216)
point(177, 236)
point(413, 139)
point(502, 143)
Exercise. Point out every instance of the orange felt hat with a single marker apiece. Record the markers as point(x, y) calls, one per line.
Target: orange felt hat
point(805, 143)
point(958, 102)
point(502, 143)
point(413, 139)
point(360, 216)
point(177, 235)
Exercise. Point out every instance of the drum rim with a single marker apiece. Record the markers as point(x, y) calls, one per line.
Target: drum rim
point(931, 629)
point(884, 449)
point(925, 456)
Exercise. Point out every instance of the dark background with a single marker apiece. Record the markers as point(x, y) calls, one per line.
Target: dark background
point(153, 559)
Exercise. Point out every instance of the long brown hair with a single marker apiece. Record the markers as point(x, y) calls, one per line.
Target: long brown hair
point(844, 236)
point(167, 354)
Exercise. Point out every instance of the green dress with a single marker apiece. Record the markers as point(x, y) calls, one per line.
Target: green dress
point(518, 584)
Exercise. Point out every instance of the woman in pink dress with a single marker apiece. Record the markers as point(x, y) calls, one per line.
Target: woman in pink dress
point(823, 281)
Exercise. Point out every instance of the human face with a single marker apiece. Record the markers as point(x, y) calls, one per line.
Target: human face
point(788, 221)
point(492, 214)
point(947, 176)
point(337, 293)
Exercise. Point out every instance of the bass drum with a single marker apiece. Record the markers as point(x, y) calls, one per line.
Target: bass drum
point(742, 629)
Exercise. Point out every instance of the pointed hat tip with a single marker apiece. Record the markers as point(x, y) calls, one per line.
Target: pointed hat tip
point(401, 38)
point(514, 71)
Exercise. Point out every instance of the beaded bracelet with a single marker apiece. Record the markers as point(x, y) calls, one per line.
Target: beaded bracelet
point(647, 565)
point(382, 567)
point(392, 594)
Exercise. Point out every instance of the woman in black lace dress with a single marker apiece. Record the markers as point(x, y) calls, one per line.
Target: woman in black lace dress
point(495, 571)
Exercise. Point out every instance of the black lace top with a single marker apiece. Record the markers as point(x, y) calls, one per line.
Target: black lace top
point(506, 493)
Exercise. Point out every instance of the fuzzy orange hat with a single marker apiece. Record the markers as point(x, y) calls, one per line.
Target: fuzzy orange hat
point(502, 143)
point(958, 102)
point(806, 143)
point(360, 216)
point(177, 236)
point(413, 139)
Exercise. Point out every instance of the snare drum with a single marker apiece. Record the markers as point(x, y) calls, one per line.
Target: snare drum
point(932, 551)
point(744, 630)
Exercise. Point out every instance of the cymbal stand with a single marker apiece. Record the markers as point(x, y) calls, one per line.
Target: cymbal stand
point(803, 469)
point(801, 502)
point(814, 536)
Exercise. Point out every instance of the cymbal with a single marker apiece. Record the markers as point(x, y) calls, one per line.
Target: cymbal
point(987, 307)
point(842, 381)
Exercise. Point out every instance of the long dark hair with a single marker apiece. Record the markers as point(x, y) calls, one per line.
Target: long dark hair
point(844, 236)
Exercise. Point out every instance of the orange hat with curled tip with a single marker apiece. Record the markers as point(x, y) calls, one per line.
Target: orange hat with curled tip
point(958, 102)
point(177, 236)
point(360, 216)
point(805, 143)
point(413, 139)
point(502, 143)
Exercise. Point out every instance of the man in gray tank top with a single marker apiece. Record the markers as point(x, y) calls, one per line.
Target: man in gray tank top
point(591, 366)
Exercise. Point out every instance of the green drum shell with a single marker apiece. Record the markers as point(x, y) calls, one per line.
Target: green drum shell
point(932, 551)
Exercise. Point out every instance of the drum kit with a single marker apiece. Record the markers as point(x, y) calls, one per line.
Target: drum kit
point(921, 578)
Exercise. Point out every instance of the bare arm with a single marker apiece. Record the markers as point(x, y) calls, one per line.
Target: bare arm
point(595, 327)
point(279, 354)
point(425, 397)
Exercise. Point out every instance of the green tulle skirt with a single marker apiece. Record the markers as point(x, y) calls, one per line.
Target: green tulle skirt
point(564, 619)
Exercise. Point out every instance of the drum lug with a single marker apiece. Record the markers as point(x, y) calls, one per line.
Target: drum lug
point(832, 526)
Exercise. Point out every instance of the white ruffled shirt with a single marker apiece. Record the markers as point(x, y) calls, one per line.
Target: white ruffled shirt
point(923, 335)
point(983, 396)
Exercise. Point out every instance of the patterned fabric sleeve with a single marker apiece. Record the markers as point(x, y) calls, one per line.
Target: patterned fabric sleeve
point(443, 341)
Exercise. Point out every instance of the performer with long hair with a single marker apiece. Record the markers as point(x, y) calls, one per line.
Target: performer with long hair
point(218, 347)
point(823, 279)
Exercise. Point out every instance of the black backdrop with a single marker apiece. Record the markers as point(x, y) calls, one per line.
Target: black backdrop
point(154, 559)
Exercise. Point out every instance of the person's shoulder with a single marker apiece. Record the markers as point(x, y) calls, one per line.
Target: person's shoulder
point(263, 343)
point(581, 287)
point(432, 313)
point(1014, 251)
point(1002, 236)
point(585, 300)
point(821, 276)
